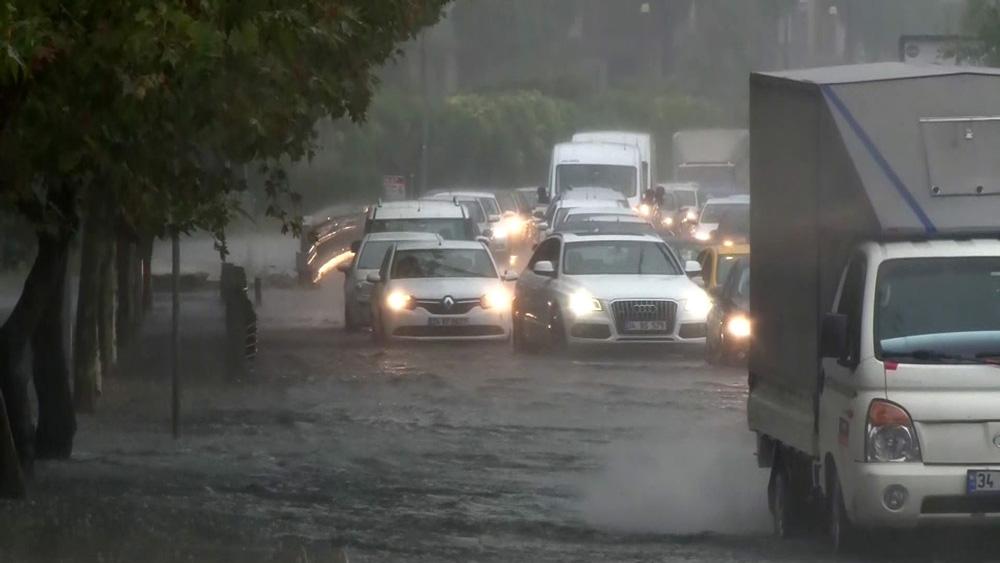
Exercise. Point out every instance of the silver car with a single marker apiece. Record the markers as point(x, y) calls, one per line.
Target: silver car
point(584, 289)
point(367, 260)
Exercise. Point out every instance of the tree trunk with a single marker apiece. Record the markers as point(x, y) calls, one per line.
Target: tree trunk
point(146, 257)
point(106, 306)
point(86, 349)
point(16, 428)
point(56, 417)
point(127, 266)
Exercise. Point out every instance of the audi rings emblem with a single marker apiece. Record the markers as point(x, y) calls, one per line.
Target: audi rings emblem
point(643, 309)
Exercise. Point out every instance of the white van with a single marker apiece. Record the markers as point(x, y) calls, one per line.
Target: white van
point(615, 166)
point(644, 141)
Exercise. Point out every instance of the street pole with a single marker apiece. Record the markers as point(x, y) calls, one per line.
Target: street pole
point(425, 134)
point(175, 276)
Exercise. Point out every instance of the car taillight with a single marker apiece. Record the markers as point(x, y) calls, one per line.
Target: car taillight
point(889, 434)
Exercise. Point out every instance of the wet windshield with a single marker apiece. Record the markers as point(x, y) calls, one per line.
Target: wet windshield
point(714, 212)
point(938, 308)
point(475, 211)
point(372, 254)
point(490, 205)
point(686, 198)
point(442, 263)
point(619, 258)
point(449, 228)
point(621, 179)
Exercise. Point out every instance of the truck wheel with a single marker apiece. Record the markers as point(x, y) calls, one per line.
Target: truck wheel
point(783, 502)
point(843, 534)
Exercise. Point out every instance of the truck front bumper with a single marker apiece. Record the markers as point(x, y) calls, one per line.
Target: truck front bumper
point(935, 495)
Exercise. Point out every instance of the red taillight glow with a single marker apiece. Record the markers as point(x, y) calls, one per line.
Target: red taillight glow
point(891, 366)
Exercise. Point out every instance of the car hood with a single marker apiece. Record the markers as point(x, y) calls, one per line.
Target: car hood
point(438, 288)
point(635, 287)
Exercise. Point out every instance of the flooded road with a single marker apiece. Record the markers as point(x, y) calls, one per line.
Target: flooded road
point(457, 452)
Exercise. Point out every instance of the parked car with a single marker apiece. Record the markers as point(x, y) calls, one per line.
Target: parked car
point(584, 289)
point(729, 326)
point(433, 290)
point(367, 260)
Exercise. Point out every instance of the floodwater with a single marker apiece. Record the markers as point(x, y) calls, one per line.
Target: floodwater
point(337, 449)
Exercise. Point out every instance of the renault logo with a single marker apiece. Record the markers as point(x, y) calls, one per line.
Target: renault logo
point(644, 309)
point(448, 303)
point(996, 440)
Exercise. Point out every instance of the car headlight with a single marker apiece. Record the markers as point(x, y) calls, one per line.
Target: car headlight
point(668, 221)
point(889, 434)
point(582, 303)
point(496, 299)
point(738, 326)
point(691, 215)
point(698, 304)
point(644, 210)
point(397, 301)
point(702, 236)
point(500, 231)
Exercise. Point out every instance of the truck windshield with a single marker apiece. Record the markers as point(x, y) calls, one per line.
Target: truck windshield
point(621, 179)
point(448, 228)
point(686, 198)
point(938, 309)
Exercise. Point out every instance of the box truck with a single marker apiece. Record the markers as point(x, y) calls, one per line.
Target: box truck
point(715, 159)
point(874, 374)
point(642, 141)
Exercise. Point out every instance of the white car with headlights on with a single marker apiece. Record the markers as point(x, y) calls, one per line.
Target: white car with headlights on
point(583, 289)
point(440, 290)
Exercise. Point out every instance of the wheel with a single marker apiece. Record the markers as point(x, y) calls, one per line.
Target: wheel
point(350, 325)
point(787, 504)
point(557, 331)
point(713, 350)
point(844, 536)
point(518, 338)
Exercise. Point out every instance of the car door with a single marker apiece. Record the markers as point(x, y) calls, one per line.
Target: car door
point(531, 288)
point(378, 288)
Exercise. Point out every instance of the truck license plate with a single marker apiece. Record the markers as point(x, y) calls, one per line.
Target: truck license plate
point(982, 482)
point(447, 321)
point(647, 326)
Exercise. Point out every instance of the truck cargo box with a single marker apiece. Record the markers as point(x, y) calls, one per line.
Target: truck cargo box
point(840, 155)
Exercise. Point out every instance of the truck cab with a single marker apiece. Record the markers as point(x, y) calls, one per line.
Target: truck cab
point(614, 166)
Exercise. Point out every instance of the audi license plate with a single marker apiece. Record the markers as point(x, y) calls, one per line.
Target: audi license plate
point(447, 321)
point(646, 326)
point(982, 482)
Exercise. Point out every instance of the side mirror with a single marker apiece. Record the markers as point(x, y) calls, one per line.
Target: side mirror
point(374, 277)
point(692, 268)
point(487, 233)
point(543, 226)
point(544, 268)
point(344, 267)
point(355, 246)
point(510, 276)
point(833, 341)
point(492, 218)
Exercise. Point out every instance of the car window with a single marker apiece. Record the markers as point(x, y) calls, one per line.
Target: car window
point(851, 303)
point(618, 258)
point(442, 263)
point(508, 202)
point(725, 265)
point(452, 228)
point(372, 254)
point(489, 205)
point(548, 250)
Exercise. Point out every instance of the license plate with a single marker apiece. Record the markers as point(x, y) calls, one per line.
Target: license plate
point(647, 326)
point(982, 482)
point(445, 321)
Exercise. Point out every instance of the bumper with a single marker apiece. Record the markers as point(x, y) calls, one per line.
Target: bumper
point(600, 328)
point(936, 495)
point(477, 324)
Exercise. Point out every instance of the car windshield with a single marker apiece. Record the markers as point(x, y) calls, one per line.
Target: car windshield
point(449, 228)
point(507, 202)
point(442, 263)
point(490, 205)
point(373, 253)
point(621, 179)
point(530, 197)
point(474, 210)
point(726, 263)
point(618, 258)
point(938, 308)
point(608, 227)
point(686, 198)
point(714, 212)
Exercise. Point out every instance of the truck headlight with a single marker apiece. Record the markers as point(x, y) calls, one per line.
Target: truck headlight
point(738, 326)
point(889, 434)
point(582, 303)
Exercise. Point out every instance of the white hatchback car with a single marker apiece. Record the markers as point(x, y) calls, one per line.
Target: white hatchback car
point(581, 289)
point(442, 290)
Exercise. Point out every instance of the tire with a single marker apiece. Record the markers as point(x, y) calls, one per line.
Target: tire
point(844, 536)
point(713, 351)
point(378, 330)
point(780, 501)
point(518, 338)
point(557, 332)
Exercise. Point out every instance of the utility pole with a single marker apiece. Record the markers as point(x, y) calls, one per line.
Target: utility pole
point(425, 133)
